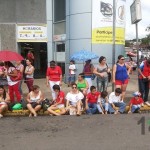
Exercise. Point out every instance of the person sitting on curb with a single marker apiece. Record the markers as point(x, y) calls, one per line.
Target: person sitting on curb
point(34, 99)
point(59, 103)
point(103, 105)
point(4, 100)
point(115, 99)
point(135, 103)
point(91, 100)
point(74, 98)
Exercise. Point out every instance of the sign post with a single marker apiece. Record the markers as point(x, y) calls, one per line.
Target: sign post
point(136, 16)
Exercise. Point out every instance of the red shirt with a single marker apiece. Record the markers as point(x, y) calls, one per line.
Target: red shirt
point(54, 73)
point(60, 98)
point(92, 98)
point(134, 101)
point(30, 56)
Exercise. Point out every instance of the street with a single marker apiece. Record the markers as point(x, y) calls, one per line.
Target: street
point(97, 132)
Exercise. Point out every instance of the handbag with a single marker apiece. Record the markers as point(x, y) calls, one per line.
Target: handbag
point(16, 78)
point(46, 104)
point(109, 76)
point(93, 76)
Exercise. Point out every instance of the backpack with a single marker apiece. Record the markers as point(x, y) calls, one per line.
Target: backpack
point(17, 106)
point(46, 104)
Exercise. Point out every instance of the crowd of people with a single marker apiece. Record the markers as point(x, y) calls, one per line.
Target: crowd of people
point(83, 96)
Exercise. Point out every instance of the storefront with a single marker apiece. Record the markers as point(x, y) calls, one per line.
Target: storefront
point(33, 38)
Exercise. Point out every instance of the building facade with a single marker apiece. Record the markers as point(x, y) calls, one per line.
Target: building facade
point(52, 29)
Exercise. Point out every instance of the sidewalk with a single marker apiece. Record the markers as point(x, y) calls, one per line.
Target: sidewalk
point(132, 87)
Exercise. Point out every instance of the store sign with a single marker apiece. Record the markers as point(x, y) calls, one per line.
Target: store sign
point(59, 38)
point(136, 14)
point(102, 22)
point(31, 33)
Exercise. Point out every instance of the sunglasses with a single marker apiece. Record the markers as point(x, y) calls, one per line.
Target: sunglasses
point(74, 87)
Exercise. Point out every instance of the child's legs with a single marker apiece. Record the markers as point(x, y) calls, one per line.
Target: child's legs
point(134, 108)
point(99, 108)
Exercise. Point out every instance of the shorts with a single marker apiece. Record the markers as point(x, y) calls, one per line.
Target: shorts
point(120, 82)
point(60, 106)
point(34, 104)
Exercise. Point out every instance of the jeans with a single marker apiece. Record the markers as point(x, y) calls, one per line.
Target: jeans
point(121, 106)
point(71, 78)
point(144, 89)
point(92, 108)
point(135, 108)
point(102, 84)
point(106, 106)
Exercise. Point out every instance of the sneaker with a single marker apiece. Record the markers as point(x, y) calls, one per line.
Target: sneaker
point(147, 103)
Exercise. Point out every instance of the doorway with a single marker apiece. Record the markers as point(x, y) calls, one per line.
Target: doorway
point(39, 51)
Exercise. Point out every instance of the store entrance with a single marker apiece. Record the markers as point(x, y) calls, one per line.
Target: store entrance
point(39, 51)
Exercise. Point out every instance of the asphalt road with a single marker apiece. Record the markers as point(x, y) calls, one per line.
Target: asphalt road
point(94, 132)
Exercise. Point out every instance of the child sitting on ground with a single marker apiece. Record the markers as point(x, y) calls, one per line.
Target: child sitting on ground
point(58, 107)
point(115, 99)
point(135, 103)
point(103, 105)
point(91, 100)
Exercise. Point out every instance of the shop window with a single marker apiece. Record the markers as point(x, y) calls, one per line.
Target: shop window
point(59, 10)
point(60, 47)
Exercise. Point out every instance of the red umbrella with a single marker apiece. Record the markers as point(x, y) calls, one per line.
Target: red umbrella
point(7, 55)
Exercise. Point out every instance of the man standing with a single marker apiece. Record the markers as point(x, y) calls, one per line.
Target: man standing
point(144, 80)
point(53, 76)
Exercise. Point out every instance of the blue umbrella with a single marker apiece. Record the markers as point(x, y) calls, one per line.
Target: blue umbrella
point(83, 55)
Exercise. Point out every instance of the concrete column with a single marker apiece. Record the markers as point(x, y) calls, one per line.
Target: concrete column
point(49, 20)
point(78, 28)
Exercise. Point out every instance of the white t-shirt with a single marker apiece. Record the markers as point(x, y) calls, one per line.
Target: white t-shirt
point(74, 98)
point(72, 69)
point(101, 100)
point(114, 99)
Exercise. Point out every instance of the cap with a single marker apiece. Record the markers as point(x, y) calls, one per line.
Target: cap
point(137, 94)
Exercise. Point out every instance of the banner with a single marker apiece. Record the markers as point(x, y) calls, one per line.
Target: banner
point(31, 33)
point(102, 22)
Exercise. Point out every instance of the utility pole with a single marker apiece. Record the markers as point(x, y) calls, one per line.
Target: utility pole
point(114, 38)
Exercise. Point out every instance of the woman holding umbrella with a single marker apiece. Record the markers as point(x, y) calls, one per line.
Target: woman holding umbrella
point(13, 86)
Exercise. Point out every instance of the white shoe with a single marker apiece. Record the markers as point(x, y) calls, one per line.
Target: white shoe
point(147, 103)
